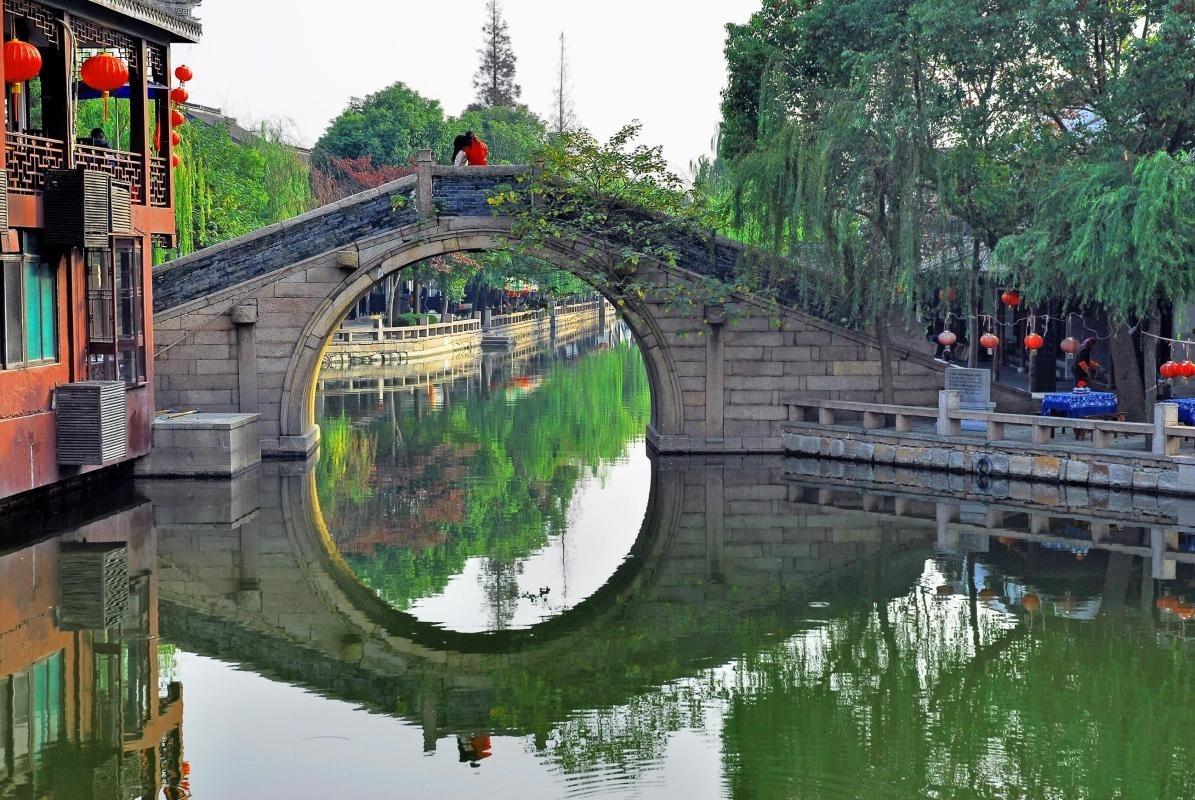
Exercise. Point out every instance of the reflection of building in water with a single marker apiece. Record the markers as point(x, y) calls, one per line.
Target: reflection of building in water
point(82, 713)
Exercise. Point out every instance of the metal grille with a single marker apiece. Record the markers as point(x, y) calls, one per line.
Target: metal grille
point(3, 200)
point(92, 423)
point(120, 164)
point(29, 158)
point(158, 195)
point(93, 585)
point(42, 18)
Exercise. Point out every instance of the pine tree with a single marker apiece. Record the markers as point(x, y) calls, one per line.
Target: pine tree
point(495, 79)
point(564, 115)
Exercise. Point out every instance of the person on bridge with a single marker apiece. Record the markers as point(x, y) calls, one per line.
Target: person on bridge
point(476, 151)
point(459, 157)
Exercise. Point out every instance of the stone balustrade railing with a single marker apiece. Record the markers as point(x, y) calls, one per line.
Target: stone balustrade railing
point(381, 333)
point(1164, 437)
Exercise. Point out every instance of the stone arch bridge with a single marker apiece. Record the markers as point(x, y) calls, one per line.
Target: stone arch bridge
point(241, 326)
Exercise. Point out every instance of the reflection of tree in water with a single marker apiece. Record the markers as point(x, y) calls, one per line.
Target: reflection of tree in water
point(931, 693)
point(501, 582)
point(411, 493)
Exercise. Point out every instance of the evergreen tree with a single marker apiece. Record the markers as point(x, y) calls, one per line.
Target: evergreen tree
point(495, 79)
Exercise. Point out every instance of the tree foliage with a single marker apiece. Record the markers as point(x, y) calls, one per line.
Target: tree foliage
point(495, 78)
point(617, 202)
point(224, 189)
point(389, 127)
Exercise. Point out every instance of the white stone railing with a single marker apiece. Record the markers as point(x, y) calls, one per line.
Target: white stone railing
point(1164, 437)
point(380, 333)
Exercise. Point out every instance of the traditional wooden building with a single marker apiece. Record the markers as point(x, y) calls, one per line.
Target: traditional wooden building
point(87, 161)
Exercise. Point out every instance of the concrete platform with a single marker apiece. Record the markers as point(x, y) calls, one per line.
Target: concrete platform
point(202, 446)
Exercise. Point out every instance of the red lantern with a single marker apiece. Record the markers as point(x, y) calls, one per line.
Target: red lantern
point(175, 139)
point(947, 339)
point(1034, 342)
point(105, 73)
point(1168, 370)
point(989, 340)
point(1011, 298)
point(1069, 345)
point(175, 161)
point(176, 118)
point(180, 95)
point(22, 62)
point(183, 73)
point(948, 295)
point(1188, 369)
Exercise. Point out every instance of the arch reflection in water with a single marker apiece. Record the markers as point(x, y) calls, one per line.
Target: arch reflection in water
point(770, 635)
point(492, 492)
point(801, 637)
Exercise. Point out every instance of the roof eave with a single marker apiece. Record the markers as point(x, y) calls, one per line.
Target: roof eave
point(181, 31)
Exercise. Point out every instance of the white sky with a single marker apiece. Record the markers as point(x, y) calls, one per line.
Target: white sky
point(659, 61)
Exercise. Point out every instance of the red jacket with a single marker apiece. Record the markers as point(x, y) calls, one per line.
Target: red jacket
point(477, 153)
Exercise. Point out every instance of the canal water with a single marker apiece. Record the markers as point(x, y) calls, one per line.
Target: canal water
point(486, 587)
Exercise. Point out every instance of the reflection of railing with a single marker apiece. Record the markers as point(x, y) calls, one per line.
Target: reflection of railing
point(28, 160)
point(503, 320)
point(158, 196)
point(122, 165)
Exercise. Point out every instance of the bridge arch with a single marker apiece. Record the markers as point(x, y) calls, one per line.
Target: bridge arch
point(297, 413)
point(242, 326)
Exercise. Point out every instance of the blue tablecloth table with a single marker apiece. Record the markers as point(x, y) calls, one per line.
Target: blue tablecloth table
point(1186, 409)
point(1079, 404)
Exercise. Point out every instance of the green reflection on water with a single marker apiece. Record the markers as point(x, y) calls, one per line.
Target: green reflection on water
point(413, 492)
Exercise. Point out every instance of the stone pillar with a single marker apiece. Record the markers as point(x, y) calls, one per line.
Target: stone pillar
point(715, 375)
point(947, 514)
point(715, 524)
point(948, 401)
point(1165, 416)
point(487, 318)
point(602, 313)
point(1160, 542)
point(244, 317)
point(423, 187)
point(248, 594)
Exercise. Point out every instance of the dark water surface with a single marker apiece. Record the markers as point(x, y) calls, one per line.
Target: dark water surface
point(485, 587)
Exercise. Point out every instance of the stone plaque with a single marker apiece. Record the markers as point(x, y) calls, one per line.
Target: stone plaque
point(973, 385)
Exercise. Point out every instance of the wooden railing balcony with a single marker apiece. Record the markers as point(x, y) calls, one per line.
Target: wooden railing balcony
point(29, 158)
point(159, 192)
point(120, 164)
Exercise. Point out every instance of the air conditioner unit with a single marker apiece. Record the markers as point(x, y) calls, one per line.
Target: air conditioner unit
point(93, 585)
point(4, 200)
point(92, 423)
point(78, 208)
point(122, 207)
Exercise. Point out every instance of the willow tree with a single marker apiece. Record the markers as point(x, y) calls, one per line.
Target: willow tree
point(1114, 221)
point(841, 148)
point(1117, 231)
